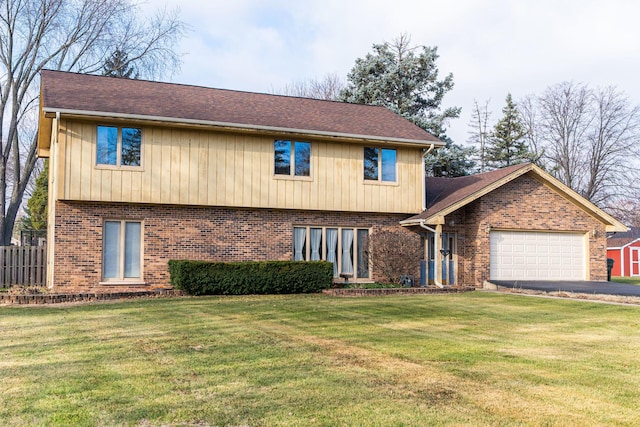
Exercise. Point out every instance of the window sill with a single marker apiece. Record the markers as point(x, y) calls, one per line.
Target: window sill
point(120, 168)
point(123, 282)
point(387, 183)
point(293, 177)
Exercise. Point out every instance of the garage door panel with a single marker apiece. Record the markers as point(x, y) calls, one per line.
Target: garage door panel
point(526, 255)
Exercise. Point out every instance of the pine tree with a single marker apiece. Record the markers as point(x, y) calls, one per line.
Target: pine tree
point(506, 145)
point(405, 80)
point(36, 210)
point(118, 65)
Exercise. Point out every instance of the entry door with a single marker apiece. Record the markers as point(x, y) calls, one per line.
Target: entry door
point(448, 245)
point(635, 261)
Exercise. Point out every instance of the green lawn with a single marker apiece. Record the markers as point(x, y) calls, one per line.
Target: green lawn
point(629, 280)
point(465, 359)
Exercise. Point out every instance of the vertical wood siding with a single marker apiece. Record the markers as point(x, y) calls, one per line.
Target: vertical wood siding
point(194, 167)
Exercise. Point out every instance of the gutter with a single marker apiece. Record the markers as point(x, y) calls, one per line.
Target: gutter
point(243, 126)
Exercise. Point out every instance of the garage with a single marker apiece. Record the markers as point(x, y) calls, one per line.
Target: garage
point(529, 255)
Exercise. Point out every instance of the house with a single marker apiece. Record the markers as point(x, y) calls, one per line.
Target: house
point(515, 223)
point(624, 249)
point(143, 172)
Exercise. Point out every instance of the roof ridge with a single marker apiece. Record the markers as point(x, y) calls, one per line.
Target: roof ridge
point(197, 86)
point(112, 97)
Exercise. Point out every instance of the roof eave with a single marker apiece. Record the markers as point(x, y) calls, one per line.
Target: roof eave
point(244, 127)
point(625, 245)
point(470, 198)
point(611, 224)
point(44, 130)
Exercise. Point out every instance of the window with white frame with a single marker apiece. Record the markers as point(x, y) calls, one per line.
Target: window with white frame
point(122, 250)
point(292, 158)
point(379, 164)
point(118, 146)
point(345, 247)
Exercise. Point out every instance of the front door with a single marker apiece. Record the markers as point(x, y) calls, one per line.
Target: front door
point(447, 249)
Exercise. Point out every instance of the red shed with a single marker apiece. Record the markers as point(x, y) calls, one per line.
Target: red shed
point(624, 249)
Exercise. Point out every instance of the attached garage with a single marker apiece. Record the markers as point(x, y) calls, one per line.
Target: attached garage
point(529, 255)
point(514, 223)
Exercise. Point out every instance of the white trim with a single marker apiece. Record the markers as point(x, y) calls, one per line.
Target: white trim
point(611, 224)
point(121, 261)
point(104, 114)
point(632, 262)
point(625, 245)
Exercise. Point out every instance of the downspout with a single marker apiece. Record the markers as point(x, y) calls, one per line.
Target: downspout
point(52, 196)
point(424, 176)
point(438, 261)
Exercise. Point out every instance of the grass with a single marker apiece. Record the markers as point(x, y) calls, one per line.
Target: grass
point(629, 280)
point(464, 359)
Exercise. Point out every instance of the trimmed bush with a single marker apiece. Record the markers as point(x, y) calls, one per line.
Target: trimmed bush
point(244, 278)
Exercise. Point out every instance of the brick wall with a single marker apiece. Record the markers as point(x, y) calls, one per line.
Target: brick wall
point(523, 204)
point(185, 232)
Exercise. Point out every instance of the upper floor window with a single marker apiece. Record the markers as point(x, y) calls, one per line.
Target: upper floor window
point(292, 158)
point(379, 164)
point(119, 146)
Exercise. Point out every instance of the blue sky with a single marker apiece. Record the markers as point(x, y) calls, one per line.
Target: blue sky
point(492, 47)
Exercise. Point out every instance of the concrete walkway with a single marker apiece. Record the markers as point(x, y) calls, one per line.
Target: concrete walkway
point(581, 287)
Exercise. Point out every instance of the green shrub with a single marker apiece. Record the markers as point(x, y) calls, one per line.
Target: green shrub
point(244, 278)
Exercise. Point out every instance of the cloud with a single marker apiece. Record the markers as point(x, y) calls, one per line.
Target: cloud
point(491, 46)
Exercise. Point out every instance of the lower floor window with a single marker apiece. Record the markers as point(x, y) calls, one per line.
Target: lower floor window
point(122, 250)
point(345, 247)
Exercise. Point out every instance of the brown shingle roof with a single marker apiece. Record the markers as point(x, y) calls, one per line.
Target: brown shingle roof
point(622, 239)
point(62, 91)
point(445, 192)
point(445, 195)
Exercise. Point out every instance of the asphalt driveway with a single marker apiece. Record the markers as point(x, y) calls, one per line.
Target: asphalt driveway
point(581, 287)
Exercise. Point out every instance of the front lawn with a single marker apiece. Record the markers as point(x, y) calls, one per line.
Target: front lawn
point(464, 359)
point(629, 280)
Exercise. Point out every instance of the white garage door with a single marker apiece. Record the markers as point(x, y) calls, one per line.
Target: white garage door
point(527, 255)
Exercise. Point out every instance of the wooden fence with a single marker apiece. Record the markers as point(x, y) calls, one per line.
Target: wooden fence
point(23, 265)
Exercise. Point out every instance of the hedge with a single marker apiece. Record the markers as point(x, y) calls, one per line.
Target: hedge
point(254, 277)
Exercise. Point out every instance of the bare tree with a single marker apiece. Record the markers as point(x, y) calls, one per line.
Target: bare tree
point(71, 36)
point(479, 133)
point(611, 144)
point(327, 88)
point(564, 119)
point(589, 140)
point(394, 253)
point(528, 117)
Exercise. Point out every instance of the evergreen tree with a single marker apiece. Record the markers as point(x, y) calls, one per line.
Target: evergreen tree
point(451, 161)
point(118, 65)
point(36, 210)
point(507, 145)
point(405, 80)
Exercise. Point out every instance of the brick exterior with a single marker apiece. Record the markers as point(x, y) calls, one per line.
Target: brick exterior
point(230, 234)
point(522, 204)
point(184, 232)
